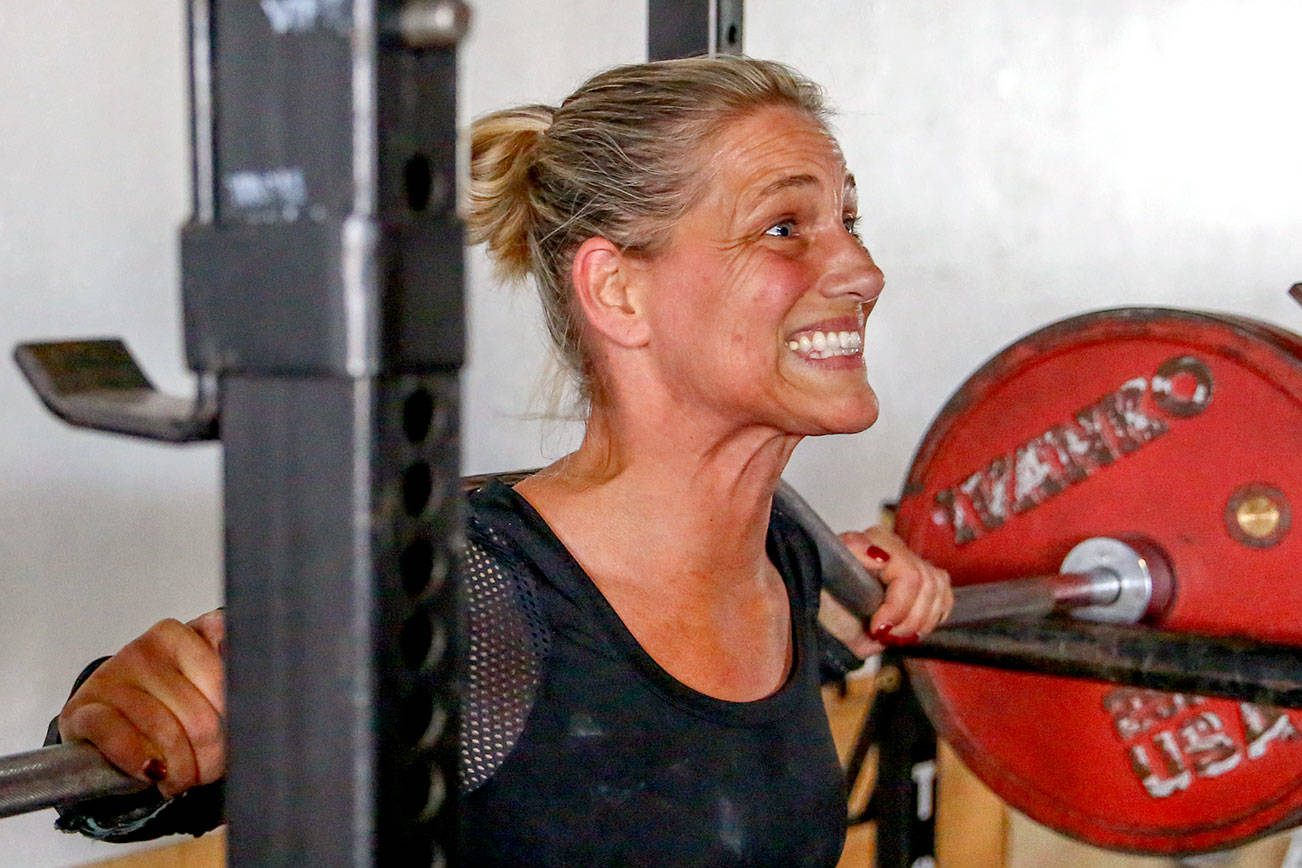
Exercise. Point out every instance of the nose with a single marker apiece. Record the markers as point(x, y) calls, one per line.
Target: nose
point(850, 271)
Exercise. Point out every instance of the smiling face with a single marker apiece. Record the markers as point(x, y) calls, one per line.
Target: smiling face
point(758, 303)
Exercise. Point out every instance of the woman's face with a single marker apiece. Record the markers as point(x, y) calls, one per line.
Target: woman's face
point(758, 303)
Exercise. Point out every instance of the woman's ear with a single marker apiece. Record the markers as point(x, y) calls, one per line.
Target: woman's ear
point(605, 286)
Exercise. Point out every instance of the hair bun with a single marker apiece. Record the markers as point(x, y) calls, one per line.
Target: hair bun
point(501, 205)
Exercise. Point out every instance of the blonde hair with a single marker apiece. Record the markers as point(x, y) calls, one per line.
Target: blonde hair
point(620, 158)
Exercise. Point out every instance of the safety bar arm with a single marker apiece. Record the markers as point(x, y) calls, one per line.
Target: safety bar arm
point(97, 384)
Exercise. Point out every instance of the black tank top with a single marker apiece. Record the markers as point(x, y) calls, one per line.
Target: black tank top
point(579, 750)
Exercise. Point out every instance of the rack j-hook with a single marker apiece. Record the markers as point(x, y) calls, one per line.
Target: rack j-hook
point(97, 384)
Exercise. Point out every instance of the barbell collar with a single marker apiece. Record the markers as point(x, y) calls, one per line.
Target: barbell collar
point(1103, 579)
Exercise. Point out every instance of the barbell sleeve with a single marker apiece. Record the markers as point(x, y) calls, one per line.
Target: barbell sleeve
point(1031, 597)
point(59, 775)
point(1102, 579)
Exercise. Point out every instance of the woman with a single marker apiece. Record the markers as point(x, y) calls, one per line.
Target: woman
point(644, 652)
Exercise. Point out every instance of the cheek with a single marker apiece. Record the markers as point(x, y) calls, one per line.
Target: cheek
point(741, 308)
point(775, 291)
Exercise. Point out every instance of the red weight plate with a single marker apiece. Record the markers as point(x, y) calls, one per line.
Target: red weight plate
point(1182, 427)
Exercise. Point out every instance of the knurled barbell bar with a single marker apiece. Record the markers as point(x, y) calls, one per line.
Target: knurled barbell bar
point(1102, 579)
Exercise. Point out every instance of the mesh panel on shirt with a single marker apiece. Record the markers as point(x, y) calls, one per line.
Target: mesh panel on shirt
point(508, 640)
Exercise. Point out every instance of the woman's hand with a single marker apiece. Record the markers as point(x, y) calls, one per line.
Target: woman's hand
point(918, 595)
point(156, 708)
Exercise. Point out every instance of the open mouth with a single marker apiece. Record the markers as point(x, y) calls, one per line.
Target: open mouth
point(826, 344)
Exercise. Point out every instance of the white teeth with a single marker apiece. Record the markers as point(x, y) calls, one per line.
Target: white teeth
point(823, 345)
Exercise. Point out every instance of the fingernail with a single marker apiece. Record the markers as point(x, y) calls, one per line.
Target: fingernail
point(155, 770)
point(896, 640)
point(878, 554)
point(882, 633)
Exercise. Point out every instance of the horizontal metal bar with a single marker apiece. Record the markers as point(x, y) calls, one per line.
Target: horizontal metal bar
point(1229, 667)
point(1223, 666)
point(1032, 597)
point(846, 579)
point(62, 774)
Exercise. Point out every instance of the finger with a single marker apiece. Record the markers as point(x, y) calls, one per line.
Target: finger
point(864, 646)
point(871, 549)
point(875, 560)
point(944, 599)
point(172, 668)
point(138, 736)
point(114, 736)
point(925, 608)
point(846, 627)
point(192, 653)
point(212, 627)
point(916, 593)
point(891, 620)
point(151, 716)
point(201, 720)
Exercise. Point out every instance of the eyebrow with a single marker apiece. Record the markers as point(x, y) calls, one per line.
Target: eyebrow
point(784, 183)
point(803, 180)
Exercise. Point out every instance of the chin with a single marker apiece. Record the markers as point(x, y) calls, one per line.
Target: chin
point(854, 426)
point(849, 418)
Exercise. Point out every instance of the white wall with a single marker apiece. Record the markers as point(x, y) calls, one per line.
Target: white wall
point(99, 536)
point(1023, 160)
point(1019, 161)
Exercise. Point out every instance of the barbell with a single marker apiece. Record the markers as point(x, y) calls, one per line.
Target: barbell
point(1102, 578)
point(1131, 467)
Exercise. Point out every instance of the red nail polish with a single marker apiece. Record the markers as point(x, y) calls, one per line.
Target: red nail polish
point(155, 770)
point(882, 633)
point(895, 640)
point(878, 554)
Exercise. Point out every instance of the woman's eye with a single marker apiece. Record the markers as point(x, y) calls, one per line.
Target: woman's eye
point(851, 222)
point(785, 229)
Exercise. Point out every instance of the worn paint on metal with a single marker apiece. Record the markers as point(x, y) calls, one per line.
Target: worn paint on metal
point(1142, 422)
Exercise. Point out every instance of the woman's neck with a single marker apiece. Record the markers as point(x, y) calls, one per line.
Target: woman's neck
point(686, 498)
point(671, 525)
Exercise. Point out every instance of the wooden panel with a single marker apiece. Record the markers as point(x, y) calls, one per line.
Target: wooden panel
point(970, 820)
point(208, 851)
